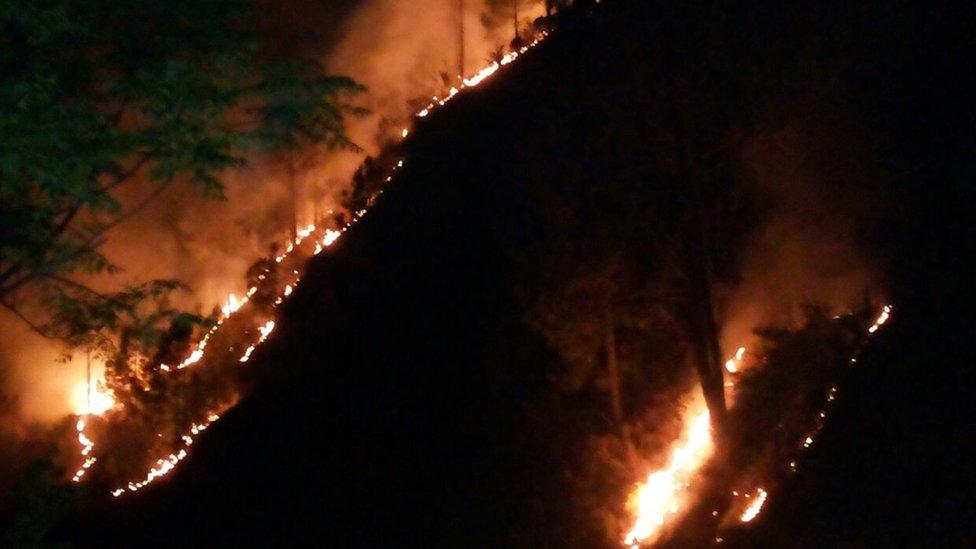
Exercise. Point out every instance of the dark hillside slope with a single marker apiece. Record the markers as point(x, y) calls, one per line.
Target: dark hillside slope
point(398, 402)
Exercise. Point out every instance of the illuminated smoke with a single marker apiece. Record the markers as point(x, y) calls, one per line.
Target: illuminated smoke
point(818, 196)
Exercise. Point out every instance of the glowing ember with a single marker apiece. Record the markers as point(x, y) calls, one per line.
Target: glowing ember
point(663, 492)
point(86, 448)
point(882, 318)
point(755, 507)
point(732, 364)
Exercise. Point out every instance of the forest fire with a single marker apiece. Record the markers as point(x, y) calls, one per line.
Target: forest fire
point(233, 304)
point(664, 494)
point(665, 491)
point(559, 321)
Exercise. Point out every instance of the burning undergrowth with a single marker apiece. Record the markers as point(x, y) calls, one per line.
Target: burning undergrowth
point(165, 389)
point(706, 491)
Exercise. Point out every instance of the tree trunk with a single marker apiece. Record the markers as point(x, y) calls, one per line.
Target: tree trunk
point(292, 182)
point(616, 393)
point(515, 17)
point(704, 329)
point(613, 371)
point(461, 39)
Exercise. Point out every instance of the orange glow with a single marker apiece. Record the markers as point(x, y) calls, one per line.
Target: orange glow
point(665, 491)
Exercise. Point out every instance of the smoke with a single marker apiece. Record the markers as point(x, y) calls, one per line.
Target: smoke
point(815, 173)
point(403, 52)
point(407, 52)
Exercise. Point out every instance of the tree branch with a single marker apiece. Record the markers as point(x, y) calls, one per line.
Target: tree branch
point(38, 329)
point(132, 211)
point(76, 285)
point(55, 233)
point(124, 176)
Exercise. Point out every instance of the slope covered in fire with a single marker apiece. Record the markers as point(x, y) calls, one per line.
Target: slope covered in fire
point(501, 346)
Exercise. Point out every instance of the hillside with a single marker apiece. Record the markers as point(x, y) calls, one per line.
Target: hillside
point(403, 400)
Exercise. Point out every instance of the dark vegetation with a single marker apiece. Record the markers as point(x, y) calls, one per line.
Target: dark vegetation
point(479, 360)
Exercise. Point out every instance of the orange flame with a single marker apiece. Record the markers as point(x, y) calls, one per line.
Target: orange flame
point(755, 507)
point(102, 400)
point(663, 493)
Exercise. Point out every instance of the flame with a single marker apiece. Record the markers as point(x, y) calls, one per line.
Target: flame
point(882, 318)
point(663, 492)
point(265, 332)
point(167, 464)
point(99, 401)
point(755, 507)
point(102, 400)
point(87, 446)
point(732, 364)
point(232, 305)
point(330, 237)
point(479, 77)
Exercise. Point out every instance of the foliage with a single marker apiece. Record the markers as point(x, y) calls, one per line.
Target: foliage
point(97, 96)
